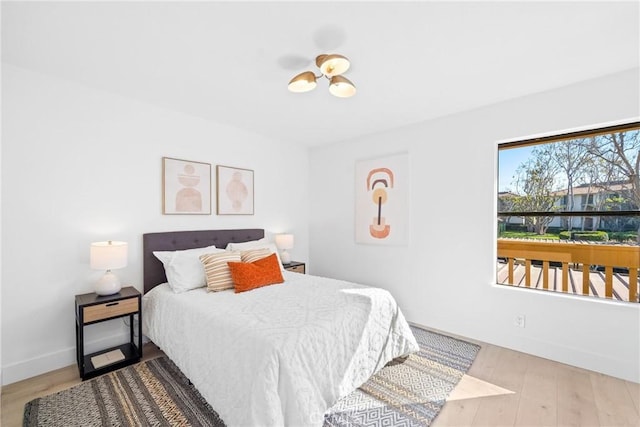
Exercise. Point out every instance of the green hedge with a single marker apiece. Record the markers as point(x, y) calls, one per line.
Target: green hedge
point(623, 236)
point(589, 236)
point(515, 227)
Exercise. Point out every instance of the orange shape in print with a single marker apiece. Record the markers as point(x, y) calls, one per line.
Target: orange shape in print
point(383, 179)
point(188, 199)
point(236, 191)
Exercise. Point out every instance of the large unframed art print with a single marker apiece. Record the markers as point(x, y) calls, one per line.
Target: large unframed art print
point(186, 187)
point(382, 200)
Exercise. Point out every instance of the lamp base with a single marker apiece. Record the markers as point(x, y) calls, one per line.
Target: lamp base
point(109, 284)
point(285, 257)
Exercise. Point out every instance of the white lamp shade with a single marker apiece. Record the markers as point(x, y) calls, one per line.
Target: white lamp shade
point(108, 255)
point(332, 65)
point(303, 82)
point(284, 241)
point(341, 87)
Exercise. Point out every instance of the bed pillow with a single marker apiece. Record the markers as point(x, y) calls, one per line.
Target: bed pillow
point(252, 275)
point(183, 268)
point(216, 269)
point(252, 255)
point(252, 244)
point(256, 244)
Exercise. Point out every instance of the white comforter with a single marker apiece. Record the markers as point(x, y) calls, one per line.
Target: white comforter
point(280, 355)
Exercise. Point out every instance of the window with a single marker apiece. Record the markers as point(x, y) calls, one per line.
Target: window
point(587, 201)
point(569, 213)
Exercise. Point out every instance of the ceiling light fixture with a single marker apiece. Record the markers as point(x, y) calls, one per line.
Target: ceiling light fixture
point(331, 67)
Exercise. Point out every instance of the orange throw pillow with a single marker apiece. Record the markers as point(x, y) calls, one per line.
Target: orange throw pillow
point(251, 275)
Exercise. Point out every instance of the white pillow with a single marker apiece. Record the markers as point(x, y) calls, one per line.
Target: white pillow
point(252, 244)
point(183, 268)
point(256, 244)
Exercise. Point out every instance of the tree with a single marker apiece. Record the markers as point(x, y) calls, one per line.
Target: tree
point(570, 157)
point(535, 184)
point(614, 203)
point(621, 151)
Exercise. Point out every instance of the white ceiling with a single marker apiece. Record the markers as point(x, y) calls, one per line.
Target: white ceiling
point(231, 61)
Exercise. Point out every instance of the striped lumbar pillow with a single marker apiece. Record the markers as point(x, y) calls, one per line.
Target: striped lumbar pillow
point(252, 255)
point(216, 269)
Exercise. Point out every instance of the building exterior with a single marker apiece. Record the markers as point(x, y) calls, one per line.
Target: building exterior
point(586, 197)
point(595, 197)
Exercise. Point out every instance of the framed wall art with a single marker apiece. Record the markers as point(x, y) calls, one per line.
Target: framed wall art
point(186, 187)
point(234, 191)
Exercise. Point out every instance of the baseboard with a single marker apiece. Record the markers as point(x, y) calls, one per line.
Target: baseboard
point(55, 360)
point(622, 368)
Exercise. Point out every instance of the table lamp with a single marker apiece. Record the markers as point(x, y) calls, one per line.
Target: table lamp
point(284, 242)
point(108, 256)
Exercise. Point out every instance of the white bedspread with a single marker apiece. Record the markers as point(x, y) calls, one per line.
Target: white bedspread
point(280, 355)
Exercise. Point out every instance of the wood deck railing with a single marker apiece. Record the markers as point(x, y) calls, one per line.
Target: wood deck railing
point(572, 255)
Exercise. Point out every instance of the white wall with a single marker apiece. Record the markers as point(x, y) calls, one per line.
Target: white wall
point(80, 165)
point(444, 278)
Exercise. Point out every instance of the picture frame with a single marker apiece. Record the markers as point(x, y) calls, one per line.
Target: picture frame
point(186, 187)
point(234, 191)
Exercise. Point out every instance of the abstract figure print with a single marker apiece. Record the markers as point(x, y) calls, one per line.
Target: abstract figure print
point(186, 187)
point(378, 181)
point(188, 198)
point(235, 191)
point(382, 188)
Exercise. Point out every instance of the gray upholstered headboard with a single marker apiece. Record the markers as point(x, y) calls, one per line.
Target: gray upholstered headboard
point(180, 240)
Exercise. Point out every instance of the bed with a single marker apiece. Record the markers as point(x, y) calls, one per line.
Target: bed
point(279, 355)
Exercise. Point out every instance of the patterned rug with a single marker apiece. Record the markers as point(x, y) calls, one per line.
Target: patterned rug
point(151, 393)
point(407, 392)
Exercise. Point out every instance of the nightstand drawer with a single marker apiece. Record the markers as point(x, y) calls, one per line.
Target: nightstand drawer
point(110, 309)
point(297, 269)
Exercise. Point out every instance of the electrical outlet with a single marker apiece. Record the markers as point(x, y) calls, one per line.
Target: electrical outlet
point(519, 320)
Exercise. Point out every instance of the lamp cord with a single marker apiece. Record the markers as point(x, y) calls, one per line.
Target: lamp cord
point(135, 330)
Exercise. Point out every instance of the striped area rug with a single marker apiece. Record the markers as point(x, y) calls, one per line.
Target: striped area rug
point(152, 393)
point(407, 392)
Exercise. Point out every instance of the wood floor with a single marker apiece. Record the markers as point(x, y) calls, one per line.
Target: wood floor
point(508, 388)
point(502, 388)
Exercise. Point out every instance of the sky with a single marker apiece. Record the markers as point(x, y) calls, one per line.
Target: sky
point(508, 162)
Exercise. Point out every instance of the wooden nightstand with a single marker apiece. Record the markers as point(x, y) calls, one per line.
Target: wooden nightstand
point(93, 308)
point(295, 266)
